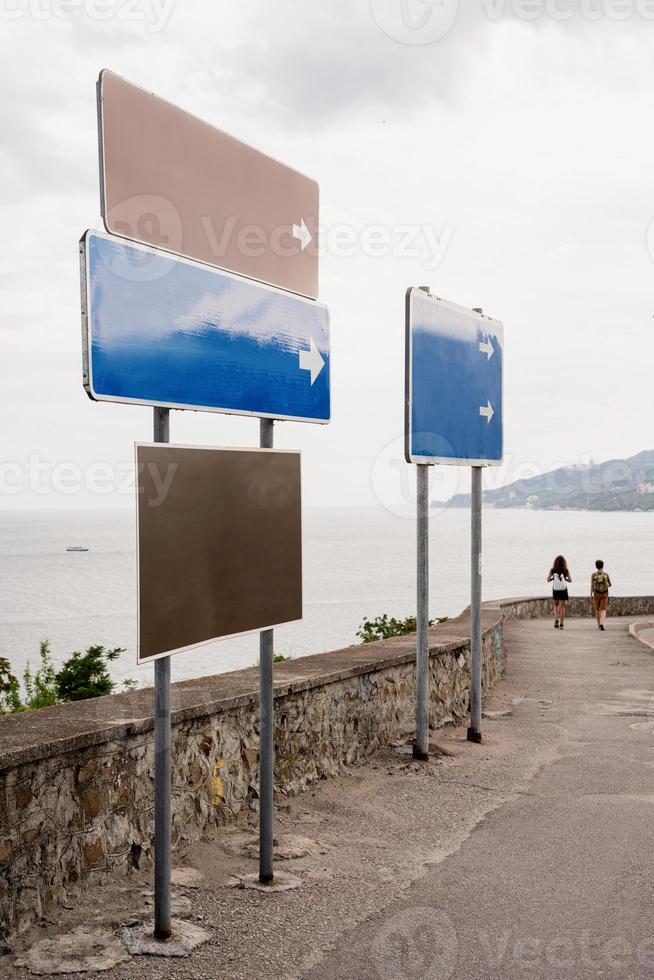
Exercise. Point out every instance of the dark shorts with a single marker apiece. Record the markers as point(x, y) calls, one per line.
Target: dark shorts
point(560, 595)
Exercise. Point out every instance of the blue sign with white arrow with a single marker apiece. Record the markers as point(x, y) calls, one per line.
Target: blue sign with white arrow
point(454, 386)
point(163, 330)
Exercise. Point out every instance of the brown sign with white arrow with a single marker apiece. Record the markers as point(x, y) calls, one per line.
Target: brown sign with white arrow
point(168, 179)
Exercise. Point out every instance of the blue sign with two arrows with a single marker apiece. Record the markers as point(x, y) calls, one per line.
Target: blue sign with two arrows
point(454, 383)
point(163, 330)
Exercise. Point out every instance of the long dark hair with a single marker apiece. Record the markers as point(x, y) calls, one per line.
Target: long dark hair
point(560, 566)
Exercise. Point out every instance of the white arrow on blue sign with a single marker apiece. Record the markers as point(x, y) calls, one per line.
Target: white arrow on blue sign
point(454, 383)
point(164, 330)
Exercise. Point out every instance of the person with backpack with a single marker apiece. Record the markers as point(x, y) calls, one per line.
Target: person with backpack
point(559, 576)
point(600, 583)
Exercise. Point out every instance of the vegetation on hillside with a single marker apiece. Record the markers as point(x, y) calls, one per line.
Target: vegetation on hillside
point(82, 676)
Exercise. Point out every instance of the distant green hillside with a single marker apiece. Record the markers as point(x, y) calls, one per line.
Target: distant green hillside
point(619, 484)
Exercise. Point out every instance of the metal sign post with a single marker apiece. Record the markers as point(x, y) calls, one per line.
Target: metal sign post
point(162, 771)
point(177, 314)
point(474, 730)
point(421, 744)
point(266, 724)
point(423, 687)
point(453, 415)
point(219, 554)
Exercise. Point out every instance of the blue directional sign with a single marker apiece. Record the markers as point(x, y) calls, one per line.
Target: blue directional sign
point(454, 368)
point(163, 330)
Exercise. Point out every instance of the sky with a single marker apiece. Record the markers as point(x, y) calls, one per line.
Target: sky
point(499, 151)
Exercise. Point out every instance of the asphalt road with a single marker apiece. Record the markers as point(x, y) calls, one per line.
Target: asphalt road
point(559, 881)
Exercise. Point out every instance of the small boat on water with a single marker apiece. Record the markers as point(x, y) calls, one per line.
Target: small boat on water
point(76, 547)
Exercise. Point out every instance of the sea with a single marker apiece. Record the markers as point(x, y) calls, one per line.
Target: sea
point(358, 563)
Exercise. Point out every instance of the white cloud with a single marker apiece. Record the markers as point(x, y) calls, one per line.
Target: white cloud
point(530, 139)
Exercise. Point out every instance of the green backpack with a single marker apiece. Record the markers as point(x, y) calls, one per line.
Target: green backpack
point(600, 582)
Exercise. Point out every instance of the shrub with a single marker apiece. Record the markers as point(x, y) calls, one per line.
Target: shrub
point(9, 689)
point(85, 675)
point(41, 689)
point(82, 676)
point(384, 627)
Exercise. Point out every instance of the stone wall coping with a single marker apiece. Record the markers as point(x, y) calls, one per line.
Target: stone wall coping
point(49, 732)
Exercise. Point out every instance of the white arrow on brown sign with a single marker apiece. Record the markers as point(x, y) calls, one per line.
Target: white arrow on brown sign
point(170, 180)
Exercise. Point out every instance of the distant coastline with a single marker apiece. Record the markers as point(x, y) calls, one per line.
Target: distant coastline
point(619, 485)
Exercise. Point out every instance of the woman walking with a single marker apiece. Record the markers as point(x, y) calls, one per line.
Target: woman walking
point(559, 576)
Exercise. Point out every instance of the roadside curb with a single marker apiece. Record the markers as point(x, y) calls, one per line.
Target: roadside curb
point(635, 630)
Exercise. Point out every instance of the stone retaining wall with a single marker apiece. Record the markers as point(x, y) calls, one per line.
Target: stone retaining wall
point(578, 607)
point(76, 780)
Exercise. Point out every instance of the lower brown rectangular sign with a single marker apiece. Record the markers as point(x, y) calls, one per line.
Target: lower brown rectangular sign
point(219, 544)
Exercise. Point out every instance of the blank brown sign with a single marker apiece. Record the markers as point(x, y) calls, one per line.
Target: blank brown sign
point(168, 179)
point(219, 544)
